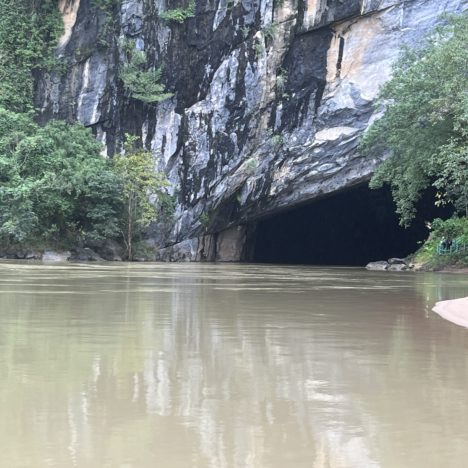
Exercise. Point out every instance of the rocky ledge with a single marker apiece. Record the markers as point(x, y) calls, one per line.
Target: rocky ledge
point(392, 264)
point(110, 251)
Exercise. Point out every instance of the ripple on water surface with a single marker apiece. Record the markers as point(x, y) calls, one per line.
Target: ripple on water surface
point(189, 365)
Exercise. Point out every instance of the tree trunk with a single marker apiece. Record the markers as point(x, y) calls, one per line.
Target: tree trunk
point(466, 201)
point(130, 228)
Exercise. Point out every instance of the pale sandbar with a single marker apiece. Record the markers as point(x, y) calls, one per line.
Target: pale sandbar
point(455, 310)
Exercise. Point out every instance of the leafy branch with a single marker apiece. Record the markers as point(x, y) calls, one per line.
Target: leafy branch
point(179, 15)
point(143, 84)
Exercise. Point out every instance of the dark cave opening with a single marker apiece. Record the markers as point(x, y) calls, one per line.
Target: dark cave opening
point(350, 228)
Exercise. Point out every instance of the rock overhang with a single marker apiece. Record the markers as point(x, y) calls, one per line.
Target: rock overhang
point(269, 102)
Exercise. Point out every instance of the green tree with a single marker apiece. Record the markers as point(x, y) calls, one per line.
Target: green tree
point(142, 83)
point(55, 186)
point(424, 127)
point(142, 189)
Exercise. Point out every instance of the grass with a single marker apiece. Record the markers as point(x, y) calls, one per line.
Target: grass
point(427, 256)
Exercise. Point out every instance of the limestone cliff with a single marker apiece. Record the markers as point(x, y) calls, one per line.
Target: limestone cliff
point(269, 100)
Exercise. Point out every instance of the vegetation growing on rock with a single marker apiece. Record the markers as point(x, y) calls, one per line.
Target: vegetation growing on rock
point(425, 129)
point(455, 229)
point(179, 15)
point(29, 32)
point(425, 125)
point(142, 83)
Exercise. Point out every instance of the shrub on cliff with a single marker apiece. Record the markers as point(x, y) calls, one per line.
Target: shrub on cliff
point(179, 15)
point(29, 32)
point(425, 125)
point(455, 229)
point(142, 83)
point(55, 187)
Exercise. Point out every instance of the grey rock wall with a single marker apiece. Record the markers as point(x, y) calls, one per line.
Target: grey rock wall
point(270, 99)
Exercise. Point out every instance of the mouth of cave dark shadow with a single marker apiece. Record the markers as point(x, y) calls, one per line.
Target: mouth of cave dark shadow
point(351, 228)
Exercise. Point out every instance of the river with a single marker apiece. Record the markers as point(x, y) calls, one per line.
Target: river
point(220, 366)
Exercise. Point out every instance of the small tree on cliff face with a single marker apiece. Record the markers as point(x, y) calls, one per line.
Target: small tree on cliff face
point(425, 125)
point(142, 186)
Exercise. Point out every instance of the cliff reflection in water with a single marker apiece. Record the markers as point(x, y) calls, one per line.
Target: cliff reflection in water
point(229, 366)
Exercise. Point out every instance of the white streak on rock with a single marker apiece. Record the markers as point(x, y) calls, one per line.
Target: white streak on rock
point(69, 10)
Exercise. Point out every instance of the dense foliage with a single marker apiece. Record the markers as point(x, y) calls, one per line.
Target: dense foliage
point(142, 83)
point(29, 31)
point(54, 184)
point(57, 189)
point(142, 187)
point(425, 123)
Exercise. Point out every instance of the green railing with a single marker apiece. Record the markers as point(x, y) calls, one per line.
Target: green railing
point(456, 246)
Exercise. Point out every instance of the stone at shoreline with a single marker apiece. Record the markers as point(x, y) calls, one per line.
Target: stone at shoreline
point(185, 251)
point(55, 256)
point(397, 261)
point(378, 266)
point(85, 255)
point(33, 255)
point(111, 251)
point(8, 254)
point(398, 267)
point(20, 254)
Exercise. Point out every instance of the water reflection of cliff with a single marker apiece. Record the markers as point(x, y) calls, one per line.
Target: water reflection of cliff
point(207, 366)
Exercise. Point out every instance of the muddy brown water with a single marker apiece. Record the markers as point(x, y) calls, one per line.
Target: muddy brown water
point(245, 366)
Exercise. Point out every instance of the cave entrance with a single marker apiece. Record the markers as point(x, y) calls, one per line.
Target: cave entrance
point(350, 228)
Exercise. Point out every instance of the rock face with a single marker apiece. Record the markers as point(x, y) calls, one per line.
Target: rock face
point(393, 264)
point(80, 254)
point(269, 100)
point(381, 265)
point(52, 256)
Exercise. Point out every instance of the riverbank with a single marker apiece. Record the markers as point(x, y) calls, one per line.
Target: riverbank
point(456, 311)
point(111, 251)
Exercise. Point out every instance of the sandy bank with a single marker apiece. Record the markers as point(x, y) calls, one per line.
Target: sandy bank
point(456, 311)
